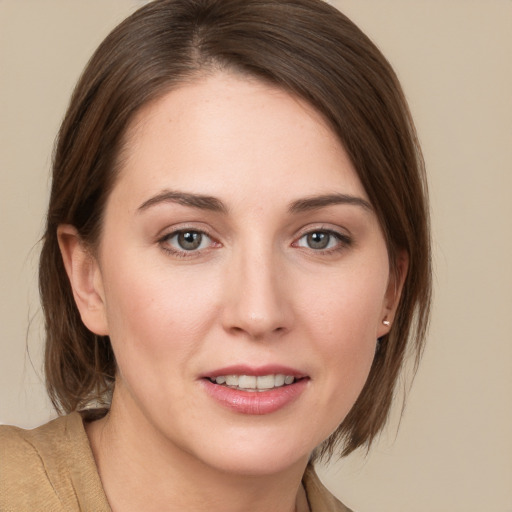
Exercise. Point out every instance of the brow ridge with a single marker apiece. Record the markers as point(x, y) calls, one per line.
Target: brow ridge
point(200, 201)
point(205, 202)
point(322, 201)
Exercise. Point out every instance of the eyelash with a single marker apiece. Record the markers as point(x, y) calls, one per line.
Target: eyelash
point(165, 242)
point(343, 242)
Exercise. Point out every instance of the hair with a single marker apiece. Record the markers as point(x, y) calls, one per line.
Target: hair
point(305, 47)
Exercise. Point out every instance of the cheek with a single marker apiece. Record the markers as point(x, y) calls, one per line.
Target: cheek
point(152, 311)
point(347, 306)
point(343, 322)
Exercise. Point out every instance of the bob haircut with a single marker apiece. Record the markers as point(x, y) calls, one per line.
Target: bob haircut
point(304, 47)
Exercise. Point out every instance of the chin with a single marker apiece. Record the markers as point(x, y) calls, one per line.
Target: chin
point(257, 452)
point(258, 462)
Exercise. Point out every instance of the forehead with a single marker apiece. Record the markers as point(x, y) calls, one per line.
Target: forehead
point(227, 129)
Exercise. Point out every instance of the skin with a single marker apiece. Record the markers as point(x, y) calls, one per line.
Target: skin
point(255, 292)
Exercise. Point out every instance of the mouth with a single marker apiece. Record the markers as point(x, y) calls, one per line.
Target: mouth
point(253, 383)
point(255, 390)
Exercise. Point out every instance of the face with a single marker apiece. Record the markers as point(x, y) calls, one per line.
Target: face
point(241, 274)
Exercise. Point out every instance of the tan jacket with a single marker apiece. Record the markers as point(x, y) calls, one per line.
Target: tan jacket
point(52, 469)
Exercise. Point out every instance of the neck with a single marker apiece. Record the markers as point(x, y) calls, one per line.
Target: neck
point(142, 470)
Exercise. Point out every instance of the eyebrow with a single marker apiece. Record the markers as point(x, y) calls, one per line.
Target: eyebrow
point(322, 201)
point(204, 202)
point(199, 201)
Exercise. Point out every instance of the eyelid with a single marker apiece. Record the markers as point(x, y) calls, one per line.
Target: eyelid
point(338, 231)
point(172, 231)
point(345, 239)
point(200, 227)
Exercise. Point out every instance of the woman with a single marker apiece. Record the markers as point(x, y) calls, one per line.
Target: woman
point(235, 263)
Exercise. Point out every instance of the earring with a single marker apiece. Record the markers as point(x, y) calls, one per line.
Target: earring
point(387, 323)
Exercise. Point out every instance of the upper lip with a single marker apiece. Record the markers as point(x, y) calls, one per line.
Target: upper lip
point(257, 371)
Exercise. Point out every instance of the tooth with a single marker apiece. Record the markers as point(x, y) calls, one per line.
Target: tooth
point(232, 380)
point(279, 380)
point(247, 381)
point(250, 382)
point(265, 382)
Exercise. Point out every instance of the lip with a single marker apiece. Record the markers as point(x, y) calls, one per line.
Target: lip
point(255, 402)
point(255, 371)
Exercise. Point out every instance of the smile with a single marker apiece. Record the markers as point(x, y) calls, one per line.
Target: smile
point(252, 382)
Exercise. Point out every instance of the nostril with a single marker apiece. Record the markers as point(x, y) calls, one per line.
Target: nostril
point(257, 315)
point(257, 333)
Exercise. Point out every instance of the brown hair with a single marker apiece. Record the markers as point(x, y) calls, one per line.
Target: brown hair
point(305, 47)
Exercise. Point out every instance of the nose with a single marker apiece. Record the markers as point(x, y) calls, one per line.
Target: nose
point(257, 302)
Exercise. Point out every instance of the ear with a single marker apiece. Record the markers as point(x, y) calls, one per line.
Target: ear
point(393, 293)
point(85, 277)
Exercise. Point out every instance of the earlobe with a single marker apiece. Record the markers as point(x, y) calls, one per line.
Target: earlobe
point(393, 293)
point(85, 278)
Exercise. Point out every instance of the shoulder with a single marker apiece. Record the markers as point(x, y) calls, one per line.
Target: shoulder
point(319, 498)
point(24, 477)
point(45, 468)
point(32, 444)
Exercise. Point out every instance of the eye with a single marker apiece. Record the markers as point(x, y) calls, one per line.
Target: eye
point(321, 240)
point(187, 240)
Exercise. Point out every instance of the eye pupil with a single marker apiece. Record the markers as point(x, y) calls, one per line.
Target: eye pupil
point(189, 240)
point(318, 240)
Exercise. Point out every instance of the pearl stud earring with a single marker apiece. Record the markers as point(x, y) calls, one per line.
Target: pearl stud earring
point(387, 323)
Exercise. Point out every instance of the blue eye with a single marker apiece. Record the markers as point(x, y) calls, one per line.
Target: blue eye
point(321, 240)
point(188, 240)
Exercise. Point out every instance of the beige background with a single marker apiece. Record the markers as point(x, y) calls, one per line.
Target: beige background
point(453, 451)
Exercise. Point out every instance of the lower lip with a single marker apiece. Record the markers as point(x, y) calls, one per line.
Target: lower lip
point(255, 402)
